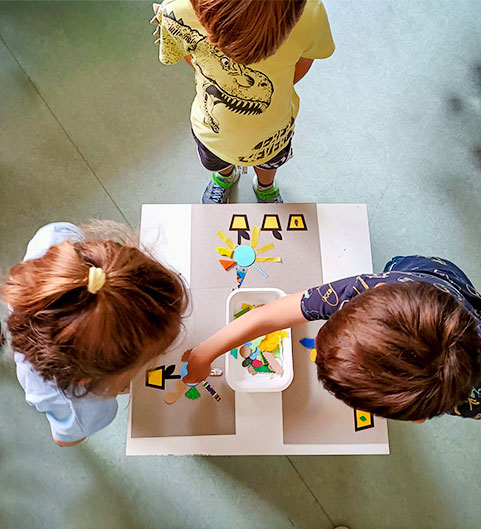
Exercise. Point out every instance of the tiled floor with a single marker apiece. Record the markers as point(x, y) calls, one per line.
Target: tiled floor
point(92, 126)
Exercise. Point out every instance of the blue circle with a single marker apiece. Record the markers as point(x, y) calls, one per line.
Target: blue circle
point(244, 255)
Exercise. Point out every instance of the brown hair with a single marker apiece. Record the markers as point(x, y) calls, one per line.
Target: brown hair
point(69, 334)
point(402, 351)
point(248, 31)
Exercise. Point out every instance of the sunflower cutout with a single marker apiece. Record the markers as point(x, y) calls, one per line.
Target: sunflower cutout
point(244, 256)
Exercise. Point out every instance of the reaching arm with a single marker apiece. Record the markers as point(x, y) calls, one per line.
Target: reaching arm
point(302, 67)
point(282, 313)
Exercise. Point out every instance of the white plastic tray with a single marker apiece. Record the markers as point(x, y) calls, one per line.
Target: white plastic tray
point(237, 376)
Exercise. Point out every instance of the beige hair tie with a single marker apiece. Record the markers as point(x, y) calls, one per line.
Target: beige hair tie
point(96, 279)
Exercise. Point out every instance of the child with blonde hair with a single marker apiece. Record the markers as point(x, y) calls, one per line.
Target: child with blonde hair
point(85, 314)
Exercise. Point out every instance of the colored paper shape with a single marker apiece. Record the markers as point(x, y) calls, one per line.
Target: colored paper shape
point(244, 255)
point(255, 236)
point(296, 222)
point(257, 363)
point(226, 264)
point(246, 305)
point(241, 274)
point(156, 377)
point(226, 239)
point(239, 222)
point(271, 223)
point(310, 343)
point(234, 352)
point(241, 312)
point(268, 260)
point(192, 393)
point(265, 248)
point(260, 271)
point(224, 251)
point(183, 371)
point(313, 355)
point(363, 420)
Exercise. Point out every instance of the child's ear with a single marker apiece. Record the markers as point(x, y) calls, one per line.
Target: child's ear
point(380, 285)
point(84, 381)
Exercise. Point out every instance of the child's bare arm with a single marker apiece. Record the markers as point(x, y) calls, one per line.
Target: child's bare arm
point(282, 313)
point(302, 67)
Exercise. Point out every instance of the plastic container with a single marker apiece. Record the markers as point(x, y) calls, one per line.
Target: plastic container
point(238, 378)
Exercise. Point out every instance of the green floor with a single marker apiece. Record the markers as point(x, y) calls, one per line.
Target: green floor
point(92, 126)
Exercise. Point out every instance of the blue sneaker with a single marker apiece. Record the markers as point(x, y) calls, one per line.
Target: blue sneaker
point(218, 189)
point(271, 195)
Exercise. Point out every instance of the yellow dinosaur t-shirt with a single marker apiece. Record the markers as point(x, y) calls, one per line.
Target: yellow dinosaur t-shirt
point(244, 114)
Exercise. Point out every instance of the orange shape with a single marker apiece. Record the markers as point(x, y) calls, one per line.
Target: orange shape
point(226, 264)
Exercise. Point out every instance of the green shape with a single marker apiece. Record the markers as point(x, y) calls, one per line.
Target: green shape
point(256, 343)
point(241, 312)
point(192, 393)
point(234, 353)
point(263, 369)
point(277, 352)
point(362, 418)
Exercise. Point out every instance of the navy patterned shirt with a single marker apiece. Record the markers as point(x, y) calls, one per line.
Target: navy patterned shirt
point(319, 303)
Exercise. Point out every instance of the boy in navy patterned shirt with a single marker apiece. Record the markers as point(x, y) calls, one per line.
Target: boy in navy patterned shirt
point(404, 344)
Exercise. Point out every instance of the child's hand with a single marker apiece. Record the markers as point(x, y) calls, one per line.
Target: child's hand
point(198, 367)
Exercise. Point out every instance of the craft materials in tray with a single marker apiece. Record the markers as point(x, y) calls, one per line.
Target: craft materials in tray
point(265, 363)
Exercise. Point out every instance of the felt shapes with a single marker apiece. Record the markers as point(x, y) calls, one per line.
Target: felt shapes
point(310, 343)
point(257, 342)
point(224, 251)
point(234, 353)
point(211, 390)
point(244, 256)
point(170, 398)
point(273, 363)
point(363, 420)
point(192, 393)
point(226, 264)
point(245, 351)
point(273, 340)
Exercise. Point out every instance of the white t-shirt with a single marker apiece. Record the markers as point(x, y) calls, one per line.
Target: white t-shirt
point(70, 418)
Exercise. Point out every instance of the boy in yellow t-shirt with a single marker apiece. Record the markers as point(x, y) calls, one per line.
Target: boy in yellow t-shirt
point(246, 56)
